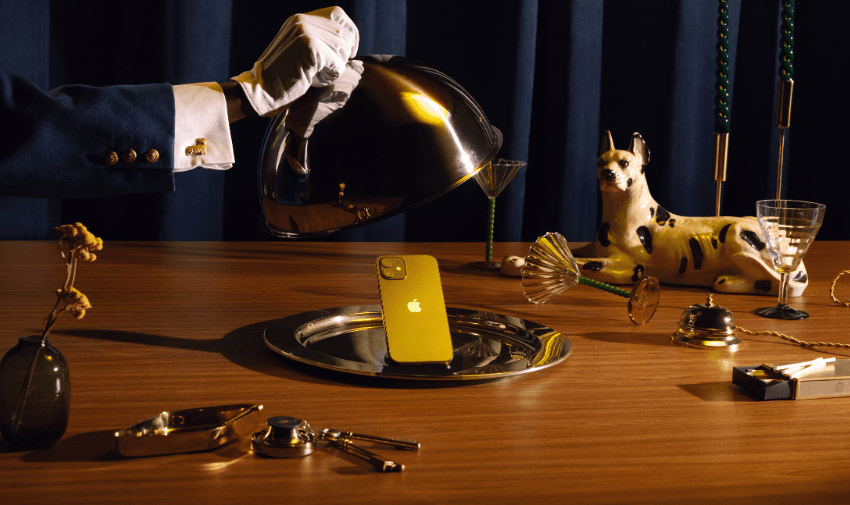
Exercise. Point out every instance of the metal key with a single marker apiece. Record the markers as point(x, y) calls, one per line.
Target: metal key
point(380, 464)
point(399, 443)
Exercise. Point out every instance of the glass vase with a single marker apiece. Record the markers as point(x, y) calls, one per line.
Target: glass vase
point(35, 394)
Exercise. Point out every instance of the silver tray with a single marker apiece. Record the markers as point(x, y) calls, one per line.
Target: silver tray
point(352, 340)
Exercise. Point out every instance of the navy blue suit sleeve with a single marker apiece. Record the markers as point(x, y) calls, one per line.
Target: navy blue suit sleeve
point(56, 144)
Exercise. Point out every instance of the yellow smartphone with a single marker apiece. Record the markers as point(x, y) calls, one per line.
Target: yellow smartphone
point(414, 311)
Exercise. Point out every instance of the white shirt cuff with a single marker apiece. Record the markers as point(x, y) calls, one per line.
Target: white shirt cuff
point(201, 129)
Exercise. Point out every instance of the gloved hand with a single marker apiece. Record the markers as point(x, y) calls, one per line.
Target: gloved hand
point(318, 103)
point(309, 50)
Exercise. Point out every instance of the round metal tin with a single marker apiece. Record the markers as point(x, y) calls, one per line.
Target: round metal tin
point(285, 437)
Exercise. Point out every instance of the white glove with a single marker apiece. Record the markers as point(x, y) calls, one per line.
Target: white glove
point(318, 103)
point(309, 50)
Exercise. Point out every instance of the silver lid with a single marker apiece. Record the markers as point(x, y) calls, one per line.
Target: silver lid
point(407, 134)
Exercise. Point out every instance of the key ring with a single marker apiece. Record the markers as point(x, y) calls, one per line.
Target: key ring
point(290, 437)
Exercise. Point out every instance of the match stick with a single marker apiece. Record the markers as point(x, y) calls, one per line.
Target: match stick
point(802, 363)
point(810, 368)
point(790, 371)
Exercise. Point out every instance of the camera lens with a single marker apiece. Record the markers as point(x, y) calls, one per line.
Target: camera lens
point(392, 268)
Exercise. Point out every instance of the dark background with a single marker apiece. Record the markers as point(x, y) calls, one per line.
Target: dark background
point(552, 75)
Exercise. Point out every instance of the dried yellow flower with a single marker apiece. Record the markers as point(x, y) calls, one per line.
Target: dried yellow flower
point(78, 237)
point(81, 244)
point(74, 302)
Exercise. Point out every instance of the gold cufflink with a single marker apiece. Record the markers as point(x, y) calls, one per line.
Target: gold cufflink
point(129, 155)
point(152, 156)
point(111, 158)
point(198, 149)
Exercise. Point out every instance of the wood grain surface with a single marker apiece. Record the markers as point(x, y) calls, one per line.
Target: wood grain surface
point(629, 417)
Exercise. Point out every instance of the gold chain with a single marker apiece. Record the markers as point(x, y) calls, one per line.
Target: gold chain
point(792, 339)
point(832, 289)
point(797, 341)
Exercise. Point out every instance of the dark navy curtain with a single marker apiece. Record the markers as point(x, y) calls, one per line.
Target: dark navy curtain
point(551, 74)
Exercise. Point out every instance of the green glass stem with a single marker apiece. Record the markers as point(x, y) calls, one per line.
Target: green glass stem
point(490, 227)
point(604, 287)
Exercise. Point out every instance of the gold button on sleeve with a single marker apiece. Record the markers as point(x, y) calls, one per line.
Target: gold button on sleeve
point(152, 156)
point(111, 158)
point(129, 155)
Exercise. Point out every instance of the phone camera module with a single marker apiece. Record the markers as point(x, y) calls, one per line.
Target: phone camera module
point(393, 268)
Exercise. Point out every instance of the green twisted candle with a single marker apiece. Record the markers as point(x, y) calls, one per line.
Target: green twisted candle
point(721, 111)
point(786, 53)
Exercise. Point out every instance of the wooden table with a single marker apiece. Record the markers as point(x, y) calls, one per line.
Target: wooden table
point(629, 417)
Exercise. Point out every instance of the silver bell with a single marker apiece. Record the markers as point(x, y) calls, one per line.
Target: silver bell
point(707, 326)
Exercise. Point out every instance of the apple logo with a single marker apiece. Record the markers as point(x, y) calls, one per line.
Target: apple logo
point(413, 306)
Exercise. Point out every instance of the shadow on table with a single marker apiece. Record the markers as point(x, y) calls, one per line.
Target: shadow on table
point(723, 391)
point(91, 446)
point(630, 337)
point(99, 446)
point(475, 269)
point(245, 347)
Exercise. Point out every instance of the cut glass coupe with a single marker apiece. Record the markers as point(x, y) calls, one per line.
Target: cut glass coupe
point(789, 227)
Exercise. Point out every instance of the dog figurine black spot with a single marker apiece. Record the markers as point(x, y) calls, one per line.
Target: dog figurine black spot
point(639, 237)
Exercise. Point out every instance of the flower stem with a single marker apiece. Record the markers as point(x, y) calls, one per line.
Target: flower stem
point(18, 415)
point(70, 274)
point(72, 270)
point(51, 320)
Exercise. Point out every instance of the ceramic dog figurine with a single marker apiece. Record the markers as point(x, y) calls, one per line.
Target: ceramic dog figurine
point(638, 237)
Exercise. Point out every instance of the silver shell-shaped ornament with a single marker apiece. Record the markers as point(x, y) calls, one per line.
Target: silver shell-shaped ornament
point(549, 268)
point(188, 430)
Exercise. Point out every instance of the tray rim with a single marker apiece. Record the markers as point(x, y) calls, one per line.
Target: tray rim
point(566, 350)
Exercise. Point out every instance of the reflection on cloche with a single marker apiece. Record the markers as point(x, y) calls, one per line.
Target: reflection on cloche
point(406, 135)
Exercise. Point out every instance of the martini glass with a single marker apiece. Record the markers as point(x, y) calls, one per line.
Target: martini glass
point(789, 227)
point(493, 178)
point(550, 269)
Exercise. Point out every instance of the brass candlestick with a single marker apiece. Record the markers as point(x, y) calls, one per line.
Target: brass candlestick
point(783, 120)
point(785, 90)
point(721, 99)
point(721, 157)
